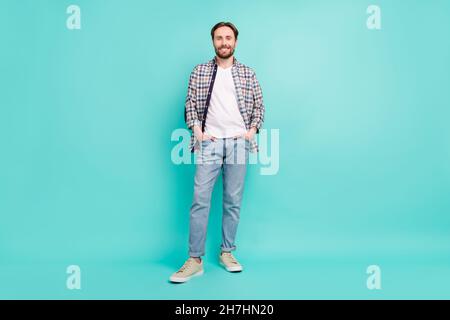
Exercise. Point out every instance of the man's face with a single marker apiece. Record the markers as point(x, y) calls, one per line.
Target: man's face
point(224, 42)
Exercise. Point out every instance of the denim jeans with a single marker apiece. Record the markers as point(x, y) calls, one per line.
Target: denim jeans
point(229, 155)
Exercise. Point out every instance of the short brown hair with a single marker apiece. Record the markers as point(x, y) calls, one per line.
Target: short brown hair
point(225, 24)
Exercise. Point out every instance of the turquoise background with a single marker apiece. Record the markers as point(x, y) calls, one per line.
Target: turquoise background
point(86, 177)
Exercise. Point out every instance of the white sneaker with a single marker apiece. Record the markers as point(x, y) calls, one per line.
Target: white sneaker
point(190, 268)
point(230, 263)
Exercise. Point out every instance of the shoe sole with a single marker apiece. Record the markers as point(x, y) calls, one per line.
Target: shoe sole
point(181, 280)
point(231, 269)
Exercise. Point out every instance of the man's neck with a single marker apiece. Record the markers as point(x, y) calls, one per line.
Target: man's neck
point(225, 63)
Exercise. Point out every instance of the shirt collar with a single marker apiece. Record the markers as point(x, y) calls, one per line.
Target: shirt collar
point(214, 61)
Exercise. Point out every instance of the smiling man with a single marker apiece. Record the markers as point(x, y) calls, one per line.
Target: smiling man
point(224, 109)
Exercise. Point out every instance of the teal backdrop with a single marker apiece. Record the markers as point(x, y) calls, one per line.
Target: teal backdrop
point(87, 179)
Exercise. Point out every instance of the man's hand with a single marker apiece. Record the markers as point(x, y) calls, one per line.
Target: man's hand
point(250, 133)
point(202, 136)
point(207, 137)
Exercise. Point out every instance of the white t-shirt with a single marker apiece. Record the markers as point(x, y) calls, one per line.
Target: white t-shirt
point(224, 119)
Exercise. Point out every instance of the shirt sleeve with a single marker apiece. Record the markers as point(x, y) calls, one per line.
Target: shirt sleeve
point(257, 117)
point(190, 107)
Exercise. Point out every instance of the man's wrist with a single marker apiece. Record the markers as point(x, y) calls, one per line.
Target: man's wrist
point(198, 132)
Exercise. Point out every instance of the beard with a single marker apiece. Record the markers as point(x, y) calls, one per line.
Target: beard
point(224, 54)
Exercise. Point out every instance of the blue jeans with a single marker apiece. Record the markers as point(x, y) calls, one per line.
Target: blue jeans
point(231, 156)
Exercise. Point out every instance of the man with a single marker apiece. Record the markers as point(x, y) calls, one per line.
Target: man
point(224, 109)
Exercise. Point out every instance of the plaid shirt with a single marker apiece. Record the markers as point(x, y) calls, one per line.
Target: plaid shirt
point(249, 95)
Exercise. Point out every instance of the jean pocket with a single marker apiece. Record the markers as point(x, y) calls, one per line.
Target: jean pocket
point(206, 142)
